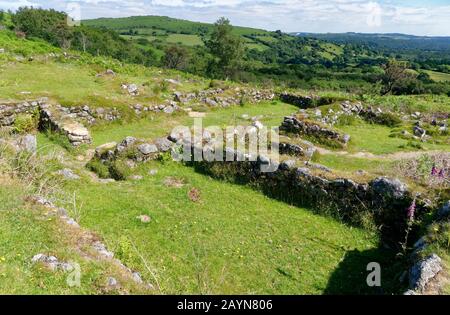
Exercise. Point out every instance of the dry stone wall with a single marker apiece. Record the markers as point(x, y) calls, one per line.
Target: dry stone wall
point(10, 110)
point(296, 125)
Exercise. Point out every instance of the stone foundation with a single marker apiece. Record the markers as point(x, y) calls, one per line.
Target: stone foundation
point(303, 101)
point(299, 126)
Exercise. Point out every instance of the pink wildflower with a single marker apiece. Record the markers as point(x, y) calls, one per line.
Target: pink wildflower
point(434, 171)
point(411, 211)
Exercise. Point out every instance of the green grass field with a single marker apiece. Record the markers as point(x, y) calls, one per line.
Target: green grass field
point(438, 76)
point(231, 240)
point(188, 40)
point(241, 242)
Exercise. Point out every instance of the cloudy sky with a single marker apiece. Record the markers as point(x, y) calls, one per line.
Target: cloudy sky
point(420, 17)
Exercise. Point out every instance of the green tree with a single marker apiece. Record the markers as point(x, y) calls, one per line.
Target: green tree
point(227, 48)
point(176, 57)
point(46, 24)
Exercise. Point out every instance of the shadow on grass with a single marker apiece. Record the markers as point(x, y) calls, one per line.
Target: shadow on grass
point(351, 274)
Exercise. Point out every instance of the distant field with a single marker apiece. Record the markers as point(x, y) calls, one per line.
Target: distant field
point(188, 40)
point(258, 47)
point(438, 76)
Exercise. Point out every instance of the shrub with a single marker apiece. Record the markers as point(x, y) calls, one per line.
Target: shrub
point(25, 123)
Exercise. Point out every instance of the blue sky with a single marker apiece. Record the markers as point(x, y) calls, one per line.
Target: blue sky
point(419, 17)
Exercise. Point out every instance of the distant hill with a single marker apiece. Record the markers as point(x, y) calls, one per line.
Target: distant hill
point(386, 41)
point(166, 30)
point(164, 23)
point(350, 61)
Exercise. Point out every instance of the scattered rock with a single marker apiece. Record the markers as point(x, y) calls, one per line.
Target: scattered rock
point(168, 109)
point(110, 72)
point(131, 88)
point(153, 172)
point(100, 248)
point(28, 143)
point(419, 132)
point(68, 174)
point(112, 282)
point(136, 177)
point(52, 262)
point(137, 278)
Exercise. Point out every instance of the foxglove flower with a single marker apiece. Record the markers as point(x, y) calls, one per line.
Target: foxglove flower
point(434, 171)
point(411, 211)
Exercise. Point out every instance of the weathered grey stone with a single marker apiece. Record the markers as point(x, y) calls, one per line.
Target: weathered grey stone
point(112, 282)
point(424, 271)
point(68, 174)
point(389, 187)
point(163, 144)
point(101, 250)
point(419, 132)
point(147, 148)
point(126, 143)
point(28, 143)
point(346, 138)
point(133, 89)
point(105, 147)
point(137, 278)
point(287, 165)
point(169, 109)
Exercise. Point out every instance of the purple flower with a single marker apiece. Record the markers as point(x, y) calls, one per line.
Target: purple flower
point(434, 171)
point(411, 211)
point(441, 173)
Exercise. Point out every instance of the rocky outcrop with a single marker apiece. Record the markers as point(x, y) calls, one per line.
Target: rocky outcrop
point(300, 126)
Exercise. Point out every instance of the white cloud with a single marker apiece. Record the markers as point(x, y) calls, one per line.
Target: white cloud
point(288, 15)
